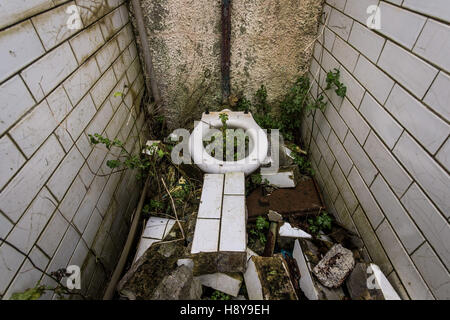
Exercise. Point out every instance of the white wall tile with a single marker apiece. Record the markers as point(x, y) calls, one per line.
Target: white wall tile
point(34, 128)
point(394, 20)
point(366, 41)
point(392, 171)
point(52, 26)
point(432, 271)
point(340, 23)
point(16, 101)
point(398, 63)
point(443, 156)
point(80, 117)
point(82, 80)
point(357, 9)
point(360, 159)
point(355, 121)
point(12, 11)
point(372, 78)
point(18, 194)
point(365, 198)
point(345, 54)
point(435, 8)
point(53, 233)
point(425, 171)
point(33, 221)
point(404, 267)
point(439, 95)
point(20, 45)
point(87, 42)
point(12, 160)
point(388, 129)
point(397, 216)
point(45, 74)
point(429, 220)
point(417, 119)
point(434, 44)
point(65, 173)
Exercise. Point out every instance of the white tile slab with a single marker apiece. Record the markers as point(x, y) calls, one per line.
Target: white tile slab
point(286, 230)
point(222, 282)
point(306, 281)
point(206, 236)
point(144, 244)
point(211, 199)
point(169, 227)
point(383, 283)
point(252, 282)
point(155, 228)
point(233, 231)
point(280, 179)
point(234, 183)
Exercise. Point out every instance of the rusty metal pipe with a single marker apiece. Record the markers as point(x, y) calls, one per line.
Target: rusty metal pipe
point(226, 49)
point(140, 24)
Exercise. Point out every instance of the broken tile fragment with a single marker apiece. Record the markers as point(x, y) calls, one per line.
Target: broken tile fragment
point(286, 230)
point(227, 283)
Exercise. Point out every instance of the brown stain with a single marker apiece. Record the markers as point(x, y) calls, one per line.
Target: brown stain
point(304, 199)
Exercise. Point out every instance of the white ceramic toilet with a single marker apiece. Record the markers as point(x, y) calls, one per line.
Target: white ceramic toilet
point(258, 143)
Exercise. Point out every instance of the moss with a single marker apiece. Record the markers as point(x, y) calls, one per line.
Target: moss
point(275, 281)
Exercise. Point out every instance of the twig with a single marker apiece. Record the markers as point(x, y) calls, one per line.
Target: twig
point(174, 210)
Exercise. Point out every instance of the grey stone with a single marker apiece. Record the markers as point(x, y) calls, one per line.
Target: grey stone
point(275, 216)
point(335, 266)
point(179, 285)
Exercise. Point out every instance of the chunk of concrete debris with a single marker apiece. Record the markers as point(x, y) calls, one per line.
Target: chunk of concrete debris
point(147, 272)
point(186, 262)
point(274, 216)
point(367, 282)
point(286, 230)
point(335, 266)
point(306, 255)
point(281, 179)
point(267, 278)
point(227, 283)
point(179, 285)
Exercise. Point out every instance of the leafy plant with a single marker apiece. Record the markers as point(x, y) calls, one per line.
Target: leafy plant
point(218, 295)
point(303, 163)
point(254, 181)
point(333, 81)
point(126, 159)
point(321, 222)
point(153, 206)
point(259, 230)
point(31, 293)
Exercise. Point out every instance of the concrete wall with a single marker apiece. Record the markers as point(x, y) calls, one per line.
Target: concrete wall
point(59, 204)
point(382, 153)
point(271, 44)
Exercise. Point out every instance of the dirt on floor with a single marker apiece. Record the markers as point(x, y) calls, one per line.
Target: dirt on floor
point(304, 199)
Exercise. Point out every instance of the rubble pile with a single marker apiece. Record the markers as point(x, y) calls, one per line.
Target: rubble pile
point(296, 253)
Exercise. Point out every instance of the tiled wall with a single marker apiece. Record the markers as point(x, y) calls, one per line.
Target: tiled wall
point(59, 203)
point(382, 154)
